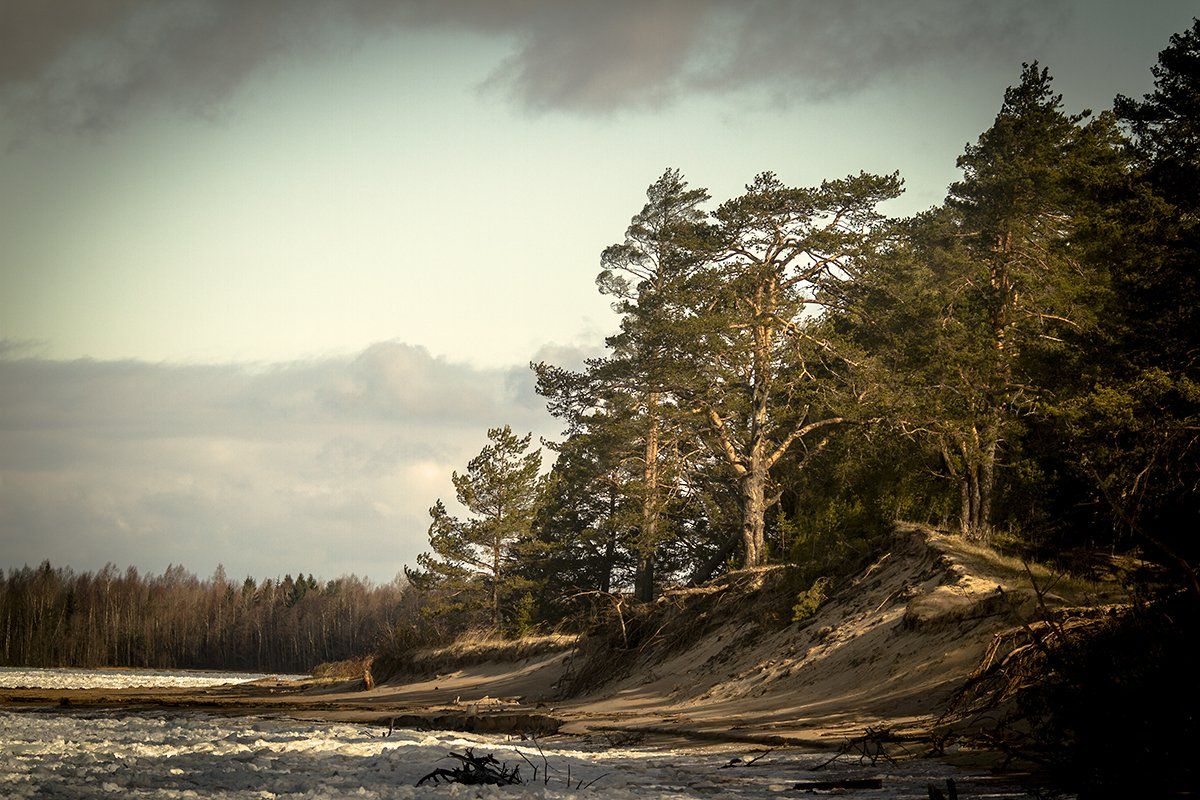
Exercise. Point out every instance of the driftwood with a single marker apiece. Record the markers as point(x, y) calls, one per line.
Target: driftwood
point(868, 747)
point(741, 762)
point(846, 783)
point(475, 771)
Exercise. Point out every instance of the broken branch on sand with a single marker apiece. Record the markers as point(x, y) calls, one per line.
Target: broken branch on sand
point(475, 771)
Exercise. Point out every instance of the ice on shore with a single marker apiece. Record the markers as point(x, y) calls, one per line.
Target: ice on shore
point(172, 756)
point(73, 678)
point(74, 754)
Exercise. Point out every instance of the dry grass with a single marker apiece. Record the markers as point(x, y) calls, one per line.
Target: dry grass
point(630, 638)
point(350, 669)
point(473, 647)
point(476, 646)
point(1013, 573)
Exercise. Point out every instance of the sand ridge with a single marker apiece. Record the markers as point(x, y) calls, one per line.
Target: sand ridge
point(887, 649)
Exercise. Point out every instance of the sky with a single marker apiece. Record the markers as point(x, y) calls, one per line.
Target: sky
point(271, 269)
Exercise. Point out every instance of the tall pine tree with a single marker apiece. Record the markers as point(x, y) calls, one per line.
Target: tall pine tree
point(749, 364)
point(473, 564)
point(630, 387)
point(984, 303)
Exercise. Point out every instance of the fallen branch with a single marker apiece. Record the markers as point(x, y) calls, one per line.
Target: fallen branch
point(868, 747)
point(845, 783)
point(738, 762)
point(475, 771)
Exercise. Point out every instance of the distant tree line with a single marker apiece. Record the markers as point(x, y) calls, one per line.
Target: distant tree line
point(794, 369)
point(57, 617)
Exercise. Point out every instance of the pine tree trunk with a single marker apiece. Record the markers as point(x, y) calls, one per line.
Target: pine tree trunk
point(643, 587)
point(974, 522)
point(964, 517)
point(719, 557)
point(754, 482)
point(648, 533)
point(1002, 319)
point(496, 585)
point(754, 510)
point(987, 484)
point(610, 552)
point(610, 547)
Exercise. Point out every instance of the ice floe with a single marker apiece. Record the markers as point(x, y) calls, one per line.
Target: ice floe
point(72, 678)
point(76, 754)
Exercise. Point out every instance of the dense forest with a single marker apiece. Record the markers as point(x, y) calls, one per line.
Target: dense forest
point(795, 369)
point(56, 617)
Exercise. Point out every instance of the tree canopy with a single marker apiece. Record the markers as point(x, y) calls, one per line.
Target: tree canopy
point(793, 369)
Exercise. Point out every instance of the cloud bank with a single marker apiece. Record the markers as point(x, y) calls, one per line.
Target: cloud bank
point(83, 65)
point(326, 466)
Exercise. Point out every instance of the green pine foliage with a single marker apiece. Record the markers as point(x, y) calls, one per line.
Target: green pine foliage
point(473, 570)
point(794, 371)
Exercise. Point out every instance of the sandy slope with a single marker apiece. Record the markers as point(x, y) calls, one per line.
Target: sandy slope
point(888, 648)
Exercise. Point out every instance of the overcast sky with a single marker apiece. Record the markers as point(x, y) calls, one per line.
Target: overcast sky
point(270, 269)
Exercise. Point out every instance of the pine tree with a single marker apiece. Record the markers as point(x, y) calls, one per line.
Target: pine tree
point(588, 521)
point(1165, 123)
point(472, 566)
point(750, 363)
point(642, 272)
point(630, 386)
point(1133, 435)
point(984, 305)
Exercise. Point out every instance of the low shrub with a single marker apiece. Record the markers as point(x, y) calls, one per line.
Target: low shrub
point(809, 600)
point(349, 669)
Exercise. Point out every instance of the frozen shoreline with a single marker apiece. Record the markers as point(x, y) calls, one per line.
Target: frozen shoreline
point(165, 754)
point(191, 754)
point(83, 678)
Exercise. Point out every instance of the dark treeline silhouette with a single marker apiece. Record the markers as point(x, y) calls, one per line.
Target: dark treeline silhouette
point(54, 616)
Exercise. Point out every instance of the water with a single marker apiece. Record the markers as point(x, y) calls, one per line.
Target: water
point(130, 756)
point(75, 678)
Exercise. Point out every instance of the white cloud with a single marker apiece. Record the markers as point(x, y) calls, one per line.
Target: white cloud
point(323, 465)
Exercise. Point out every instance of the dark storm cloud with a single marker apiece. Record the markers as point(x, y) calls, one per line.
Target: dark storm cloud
point(83, 64)
point(329, 462)
point(818, 49)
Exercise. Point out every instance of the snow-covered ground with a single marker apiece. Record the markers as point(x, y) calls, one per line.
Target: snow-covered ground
point(71, 678)
point(73, 754)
